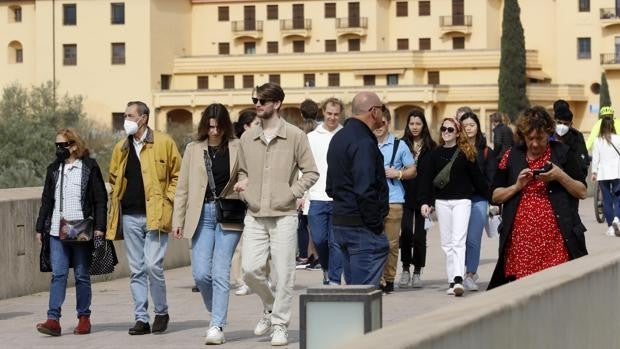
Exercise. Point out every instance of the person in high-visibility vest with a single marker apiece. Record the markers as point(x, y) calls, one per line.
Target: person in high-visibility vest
point(605, 111)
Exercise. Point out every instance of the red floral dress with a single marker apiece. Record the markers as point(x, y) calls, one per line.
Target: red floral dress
point(536, 242)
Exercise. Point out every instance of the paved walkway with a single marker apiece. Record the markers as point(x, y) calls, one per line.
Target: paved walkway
point(112, 305)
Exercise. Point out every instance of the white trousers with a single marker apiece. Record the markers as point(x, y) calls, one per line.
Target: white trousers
point(453, 217)
point(275, 237)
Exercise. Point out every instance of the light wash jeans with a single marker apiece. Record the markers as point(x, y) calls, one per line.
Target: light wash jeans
point(453, 217)
point(275, 236)
point(212, 251)
point(145, 254)
point(61, 255)
point(477, 219)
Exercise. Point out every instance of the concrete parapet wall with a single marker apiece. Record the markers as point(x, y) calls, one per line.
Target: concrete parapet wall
point(19, 251)
point(574, 305)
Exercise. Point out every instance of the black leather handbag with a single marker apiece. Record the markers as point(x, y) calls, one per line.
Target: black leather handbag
point(227, 210)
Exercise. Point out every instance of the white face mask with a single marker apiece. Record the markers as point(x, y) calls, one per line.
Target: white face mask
point(131, 127)
point(561, 129)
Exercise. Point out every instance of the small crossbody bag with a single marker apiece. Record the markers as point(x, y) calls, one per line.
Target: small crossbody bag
point(227, 210)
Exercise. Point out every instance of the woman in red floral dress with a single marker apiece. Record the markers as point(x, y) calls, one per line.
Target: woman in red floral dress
point(539, 184)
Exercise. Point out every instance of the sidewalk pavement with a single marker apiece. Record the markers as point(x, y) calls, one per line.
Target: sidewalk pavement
point(112, 313)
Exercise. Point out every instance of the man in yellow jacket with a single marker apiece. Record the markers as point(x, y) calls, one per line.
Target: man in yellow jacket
point(143, 173)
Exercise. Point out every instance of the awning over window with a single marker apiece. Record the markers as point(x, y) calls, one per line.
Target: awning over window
point(537, 75)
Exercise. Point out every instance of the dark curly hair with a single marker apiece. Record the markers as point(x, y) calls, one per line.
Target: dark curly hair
point(535, 119)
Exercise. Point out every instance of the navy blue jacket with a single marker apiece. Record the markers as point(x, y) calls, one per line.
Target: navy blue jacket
point(356, 178)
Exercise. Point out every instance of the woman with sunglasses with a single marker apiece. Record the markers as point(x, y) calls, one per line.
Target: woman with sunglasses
point(194, 218)
point(452, 197)
point(539, 183)
point(479, 203)
point(413, 235)
point(83, 195)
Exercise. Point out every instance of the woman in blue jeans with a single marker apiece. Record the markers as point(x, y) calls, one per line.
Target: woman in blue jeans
point(479, 205)
point(606, 170)
point(194, 218)
point(83, 195)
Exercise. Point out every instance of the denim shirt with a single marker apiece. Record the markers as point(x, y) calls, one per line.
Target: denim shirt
point(403, 158)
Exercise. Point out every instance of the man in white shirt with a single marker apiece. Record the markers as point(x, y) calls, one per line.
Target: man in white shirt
point(320, 211)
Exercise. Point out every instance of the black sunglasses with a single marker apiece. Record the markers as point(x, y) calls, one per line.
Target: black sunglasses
point(262, 101)
point(444, 129)
point(63, 144)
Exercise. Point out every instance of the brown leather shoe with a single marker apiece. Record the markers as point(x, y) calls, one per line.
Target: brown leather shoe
point(49, 327)
point(83, 326)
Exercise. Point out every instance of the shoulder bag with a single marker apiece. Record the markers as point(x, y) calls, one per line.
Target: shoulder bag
point(78, 231)
point(227, 210)
point(443, 177)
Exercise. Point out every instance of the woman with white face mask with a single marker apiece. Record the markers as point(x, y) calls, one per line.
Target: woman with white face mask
point(565, 133)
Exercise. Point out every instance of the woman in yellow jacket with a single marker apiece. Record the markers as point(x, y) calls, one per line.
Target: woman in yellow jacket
point(213, 243)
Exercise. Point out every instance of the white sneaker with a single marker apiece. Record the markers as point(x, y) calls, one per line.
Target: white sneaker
point(458, 290)
point(243, 291)
point(279, 335)
point(215, 336)
point(416, 281)
point(470, 284)
point(450, 290)
point(405, 278)
point(264, 325)
point(610, 231)
point(616, 225)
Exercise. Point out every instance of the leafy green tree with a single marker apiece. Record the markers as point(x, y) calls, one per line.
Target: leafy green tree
point(512, 79)
point(29, 119)
point(605, 100)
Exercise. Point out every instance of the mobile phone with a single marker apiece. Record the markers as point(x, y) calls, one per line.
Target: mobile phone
point(543, 169)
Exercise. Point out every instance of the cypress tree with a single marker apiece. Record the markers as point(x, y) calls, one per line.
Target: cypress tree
point(512, 79)
point(605, 100)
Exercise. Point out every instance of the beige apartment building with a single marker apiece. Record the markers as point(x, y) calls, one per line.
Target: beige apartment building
point(181, 55)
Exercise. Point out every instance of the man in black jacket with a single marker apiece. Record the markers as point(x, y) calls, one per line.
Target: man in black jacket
point(567, 134)
point(356, 181)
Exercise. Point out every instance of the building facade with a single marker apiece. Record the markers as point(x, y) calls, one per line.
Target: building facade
point(182, 55)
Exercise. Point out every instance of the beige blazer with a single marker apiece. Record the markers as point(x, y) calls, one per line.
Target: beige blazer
point(192, 186)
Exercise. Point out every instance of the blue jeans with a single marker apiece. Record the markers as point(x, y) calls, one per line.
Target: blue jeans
point(611, 199)
point(322, 231)
point(61, 256)
point(212, 251)
point(145, 254)
point(364, 254)
point(477, 219)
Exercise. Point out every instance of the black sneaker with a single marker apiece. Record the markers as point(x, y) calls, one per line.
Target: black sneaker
point(458, 286)
point(140, 328)
point(160, 324)
point(195, 289)
point(388, 287)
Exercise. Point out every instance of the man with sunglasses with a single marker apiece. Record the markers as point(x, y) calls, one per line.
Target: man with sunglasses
point(270, 157)
point(357, 184)
point(144, 170)
point(399, 164)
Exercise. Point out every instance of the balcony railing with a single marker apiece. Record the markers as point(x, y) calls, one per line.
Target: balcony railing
point(456, 20)
point(352, 22)
point(610, 58)
point(296, 24)
point(609, 13)
point(246, 26)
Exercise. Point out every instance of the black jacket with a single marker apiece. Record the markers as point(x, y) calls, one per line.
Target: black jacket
point(93, 193)
point(503, 139)
point(412, 197)
point(574, 139)
point(356, 178)
point(487, 162)
point(465, 178)
point(564, 205)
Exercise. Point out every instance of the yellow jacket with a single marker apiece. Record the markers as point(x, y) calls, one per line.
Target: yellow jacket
point(160, 161)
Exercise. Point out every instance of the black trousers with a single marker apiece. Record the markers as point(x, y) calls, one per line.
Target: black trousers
point(412, 242)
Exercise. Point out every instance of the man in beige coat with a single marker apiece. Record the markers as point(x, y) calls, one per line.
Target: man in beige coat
point(270, 159)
